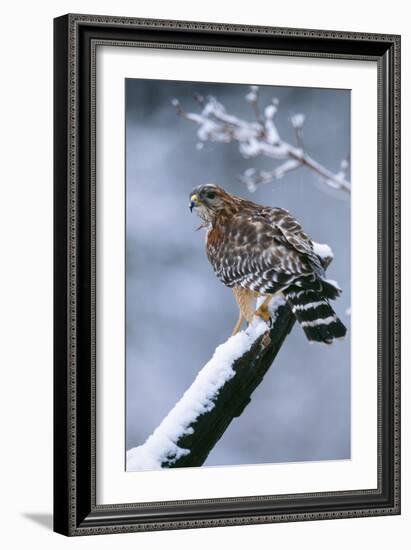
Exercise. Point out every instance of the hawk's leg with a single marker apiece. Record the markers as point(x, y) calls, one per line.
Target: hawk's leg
point(244, 300)
point(238, 324)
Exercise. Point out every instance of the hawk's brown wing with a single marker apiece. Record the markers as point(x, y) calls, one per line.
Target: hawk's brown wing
point(289, 227)
point(262, 250)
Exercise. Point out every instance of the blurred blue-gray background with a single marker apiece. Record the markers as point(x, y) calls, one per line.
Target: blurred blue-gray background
point(177, 312)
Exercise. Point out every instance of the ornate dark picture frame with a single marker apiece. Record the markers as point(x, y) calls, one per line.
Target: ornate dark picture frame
point(76, 38)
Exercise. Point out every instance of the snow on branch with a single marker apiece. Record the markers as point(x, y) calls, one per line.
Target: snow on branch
point(220, 392)
point(260, 138)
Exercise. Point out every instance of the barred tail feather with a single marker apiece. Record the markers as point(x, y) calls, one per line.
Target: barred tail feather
point(315, 315)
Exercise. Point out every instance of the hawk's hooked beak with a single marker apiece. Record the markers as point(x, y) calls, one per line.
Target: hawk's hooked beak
point(194, 201)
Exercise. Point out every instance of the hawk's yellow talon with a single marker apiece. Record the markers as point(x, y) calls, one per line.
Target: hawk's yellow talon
point(263, 313)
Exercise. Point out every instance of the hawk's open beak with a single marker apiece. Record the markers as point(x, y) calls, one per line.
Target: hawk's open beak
point(194, 201)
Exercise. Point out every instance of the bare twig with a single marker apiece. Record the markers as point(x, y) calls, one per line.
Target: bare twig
point(260, 138)
point(252, 97)
point(297, 122)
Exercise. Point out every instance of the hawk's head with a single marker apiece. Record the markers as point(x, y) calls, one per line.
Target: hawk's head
point(209, 200)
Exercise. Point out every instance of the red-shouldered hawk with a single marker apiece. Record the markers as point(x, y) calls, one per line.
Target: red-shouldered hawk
point(260, 250)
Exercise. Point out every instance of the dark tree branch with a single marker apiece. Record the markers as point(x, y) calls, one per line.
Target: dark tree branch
point(234, 396)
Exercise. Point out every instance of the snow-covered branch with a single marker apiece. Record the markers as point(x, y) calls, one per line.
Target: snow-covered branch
point(260, 138)
point(220, 392)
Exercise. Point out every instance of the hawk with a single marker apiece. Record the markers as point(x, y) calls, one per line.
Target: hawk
point(260, 251)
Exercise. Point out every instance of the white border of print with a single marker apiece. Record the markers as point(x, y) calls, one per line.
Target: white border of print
point(114, 484)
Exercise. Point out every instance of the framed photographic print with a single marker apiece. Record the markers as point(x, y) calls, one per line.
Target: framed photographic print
point(227, 281)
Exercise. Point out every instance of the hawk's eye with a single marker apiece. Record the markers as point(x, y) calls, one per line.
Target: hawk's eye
point(211, 195)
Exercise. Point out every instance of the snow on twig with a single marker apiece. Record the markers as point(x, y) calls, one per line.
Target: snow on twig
point(324, 252)
point(260, 138)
